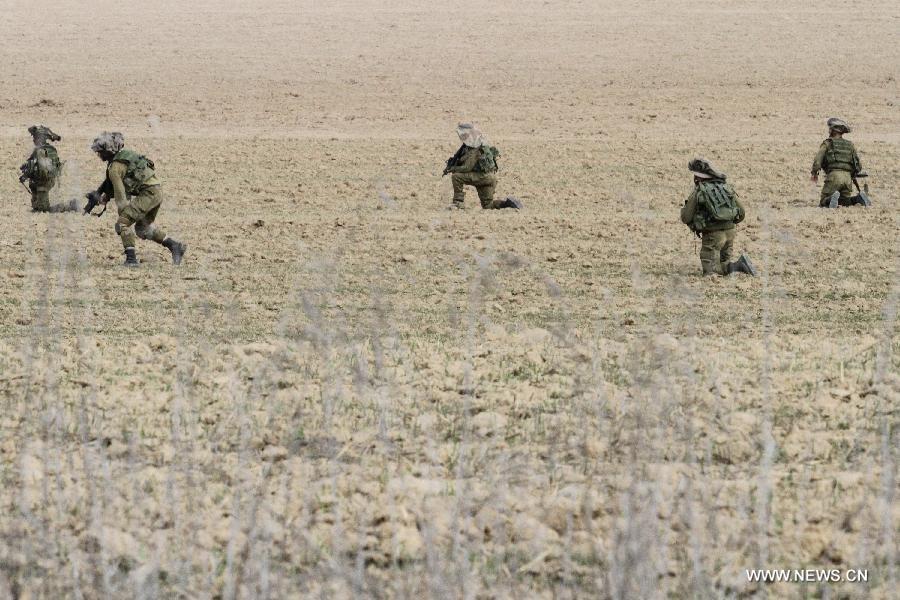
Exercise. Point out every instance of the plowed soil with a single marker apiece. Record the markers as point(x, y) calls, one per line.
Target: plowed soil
point(347, 390)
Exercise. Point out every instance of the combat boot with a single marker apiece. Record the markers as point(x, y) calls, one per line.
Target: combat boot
point(741, 265)
point(862, 199)
point(833, 200)
point(176, 248)
point(70, 206)
point(512, 202)
point(131, 258)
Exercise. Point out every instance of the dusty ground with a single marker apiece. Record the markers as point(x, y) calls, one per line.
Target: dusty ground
point(347, 390)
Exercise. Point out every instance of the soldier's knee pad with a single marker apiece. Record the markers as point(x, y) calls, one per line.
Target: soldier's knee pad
point(118, 228)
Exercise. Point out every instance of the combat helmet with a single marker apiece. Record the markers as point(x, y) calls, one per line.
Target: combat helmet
point(40, 134)
point(108, 141)
point(839, 125)
point(701, 168)
point(470, 135)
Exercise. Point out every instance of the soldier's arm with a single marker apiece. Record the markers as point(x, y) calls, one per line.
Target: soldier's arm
point(740, 210)
point(817, 161)
point(468, 162)
point(689, 209)
point(115, 173)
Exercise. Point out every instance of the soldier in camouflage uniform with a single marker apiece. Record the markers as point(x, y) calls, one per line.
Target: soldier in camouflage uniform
point(137, 193)
point(42, 171)
point(475, 164)
point(711, 211)
point(838, 158)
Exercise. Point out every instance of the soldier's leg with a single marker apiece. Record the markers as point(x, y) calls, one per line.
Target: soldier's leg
point(711, 252)
point(727, 247)
point(40, 200)
point(840, 182)
point(486, 187)
point(70, 206)
point(828, 188)
point(143, 210)
point(459, 192)
point(146, 230)
point(844, 185)
point(123, 226)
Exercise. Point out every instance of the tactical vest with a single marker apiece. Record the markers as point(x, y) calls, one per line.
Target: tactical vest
point(840, 156)
point(716, 206)
point(140, 170)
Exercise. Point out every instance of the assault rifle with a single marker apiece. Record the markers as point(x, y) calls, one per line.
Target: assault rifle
point(863, 193)
point(101, 196)
point(453, 160)
point(26, 174)
point(94, 199)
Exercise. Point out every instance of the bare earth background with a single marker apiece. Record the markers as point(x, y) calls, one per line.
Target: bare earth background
point(348, 391)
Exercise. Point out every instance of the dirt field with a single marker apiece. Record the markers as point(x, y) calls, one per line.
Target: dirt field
point(347, 390)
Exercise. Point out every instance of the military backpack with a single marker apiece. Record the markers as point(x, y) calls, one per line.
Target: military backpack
point(487, 159)
point(716, 203)
point(43, 166)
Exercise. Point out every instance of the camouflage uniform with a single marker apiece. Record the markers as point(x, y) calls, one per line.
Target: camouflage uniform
point(46, 154)
point(717, 247)
point(466, 170)
point(465, 173)
point(838, 158)
point(137, 193)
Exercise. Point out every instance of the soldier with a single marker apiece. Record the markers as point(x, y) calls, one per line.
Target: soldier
point(711, 211)
point(137, 194)
point(42, 170)
point(838, 157)
point(475, 164)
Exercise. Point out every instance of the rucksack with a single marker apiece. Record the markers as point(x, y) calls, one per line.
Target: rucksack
point(43, 166)
point(717, 201)
point(487, 160)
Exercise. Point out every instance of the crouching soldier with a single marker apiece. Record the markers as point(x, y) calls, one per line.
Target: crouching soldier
point(475, 164)
point(42, 171)
point(137, 192)
point(711, 211)
point(838, 158)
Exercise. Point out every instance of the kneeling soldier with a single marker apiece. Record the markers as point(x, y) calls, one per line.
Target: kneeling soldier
point(838, 158)
point(137, 193)
point(42, 170)
point(475, 164)
point(711, 211)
